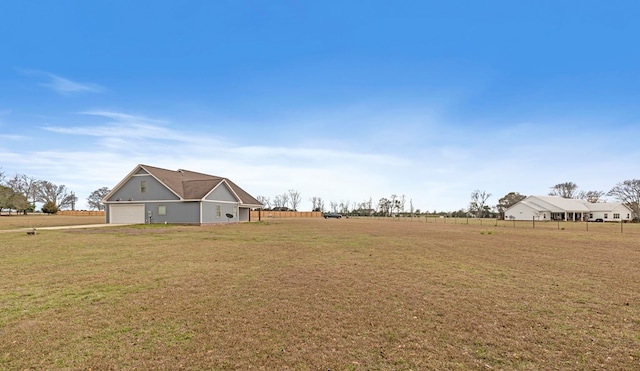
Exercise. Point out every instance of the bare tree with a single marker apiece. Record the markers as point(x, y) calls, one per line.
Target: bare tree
point(628, 192)
point(565, 190)
point(285, 200)
point(278, 202)
point(95, 198)
point(344, 207)
point(316, 203)
point(334, 206)
point(294, 199)
point(265, 201)
point(56, 195)
point(478, 205)
point(384, 206)
point(591, 196)
point(393, 200)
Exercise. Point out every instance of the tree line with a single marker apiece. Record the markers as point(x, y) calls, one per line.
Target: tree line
point(21, 193)
point(290, 201)
point(626, 192)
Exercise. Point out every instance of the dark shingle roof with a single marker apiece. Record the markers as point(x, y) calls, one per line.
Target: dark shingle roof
point(190, 185)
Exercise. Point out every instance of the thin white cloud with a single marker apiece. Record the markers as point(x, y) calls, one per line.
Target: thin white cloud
point(12, 137)
point(122, 117)
point(65, 86)
point(440, 174)
point(123, 128)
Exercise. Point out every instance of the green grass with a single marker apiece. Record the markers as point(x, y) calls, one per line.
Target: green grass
point(320, 294)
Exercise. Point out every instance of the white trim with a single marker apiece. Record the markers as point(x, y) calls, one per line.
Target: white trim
point(146, 201)
point(221, 202)
point(122, 182)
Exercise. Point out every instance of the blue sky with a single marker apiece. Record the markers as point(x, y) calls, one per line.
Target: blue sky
point(343, 100)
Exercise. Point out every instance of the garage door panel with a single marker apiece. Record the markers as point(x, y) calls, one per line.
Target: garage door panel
point(126, 214)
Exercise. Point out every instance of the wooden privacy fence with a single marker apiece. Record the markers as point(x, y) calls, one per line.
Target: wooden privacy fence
point(81, 212)
point(265, 214)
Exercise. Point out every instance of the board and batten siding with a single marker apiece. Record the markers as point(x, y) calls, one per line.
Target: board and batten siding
point(132, 190)
point(221, 193)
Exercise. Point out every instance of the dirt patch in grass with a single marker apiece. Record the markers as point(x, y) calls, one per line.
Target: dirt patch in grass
point(320, 294)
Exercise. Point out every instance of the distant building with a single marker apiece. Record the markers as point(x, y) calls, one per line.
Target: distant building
point(547, 208)
point(153, 195)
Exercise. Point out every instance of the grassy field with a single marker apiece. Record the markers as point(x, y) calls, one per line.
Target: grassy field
point(347, 294)
point(45, 220)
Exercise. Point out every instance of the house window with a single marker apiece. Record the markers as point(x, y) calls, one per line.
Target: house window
point(143, 186)
point(218, 212)
point(627, 216)
point(162, 210)
point(616, 216)
point(235, 211)
point(591, 215)
point(606, 215)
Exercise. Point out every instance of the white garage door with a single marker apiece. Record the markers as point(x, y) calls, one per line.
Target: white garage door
point(126, 214)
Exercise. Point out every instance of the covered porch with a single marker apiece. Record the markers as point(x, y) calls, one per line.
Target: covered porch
point(570, 216)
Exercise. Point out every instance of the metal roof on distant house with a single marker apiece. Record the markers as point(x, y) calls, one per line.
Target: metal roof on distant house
point(559, 204)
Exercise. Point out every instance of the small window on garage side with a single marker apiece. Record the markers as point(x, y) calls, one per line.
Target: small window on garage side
point(606, 215)
point(143, 186)
point(218, 212)
point(235, 211)
point(162, 210)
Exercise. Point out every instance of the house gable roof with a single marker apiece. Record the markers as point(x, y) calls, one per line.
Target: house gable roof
point(560, 204)
point(191, 185)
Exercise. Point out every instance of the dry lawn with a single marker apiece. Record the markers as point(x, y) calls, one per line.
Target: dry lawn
point(320, 294)
point(45, 220)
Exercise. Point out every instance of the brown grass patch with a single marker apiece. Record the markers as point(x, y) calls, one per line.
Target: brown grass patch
point(320, 294)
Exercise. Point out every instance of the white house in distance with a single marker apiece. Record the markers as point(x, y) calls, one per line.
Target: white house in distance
point(548, 208)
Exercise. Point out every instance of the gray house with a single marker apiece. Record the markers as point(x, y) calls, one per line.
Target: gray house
point(154, 195)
